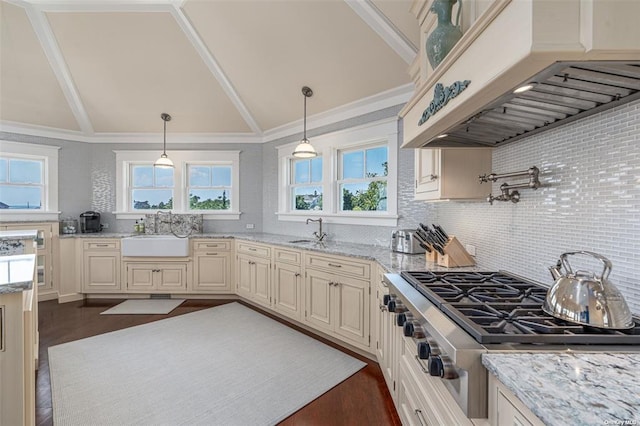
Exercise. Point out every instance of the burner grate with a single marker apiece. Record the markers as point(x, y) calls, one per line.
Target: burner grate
point(497, 308)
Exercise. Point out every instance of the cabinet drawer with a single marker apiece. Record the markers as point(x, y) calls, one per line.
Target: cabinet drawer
point(253, 249)
point(339, 265)
point(208, 245)
point(102, 245)
point(287, 256)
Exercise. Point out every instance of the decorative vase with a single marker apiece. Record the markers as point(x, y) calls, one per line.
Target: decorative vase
point(446, 35)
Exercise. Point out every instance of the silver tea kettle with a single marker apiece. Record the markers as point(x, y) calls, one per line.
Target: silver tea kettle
point(585, 298)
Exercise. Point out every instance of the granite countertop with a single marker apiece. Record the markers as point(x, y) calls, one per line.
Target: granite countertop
point(573, 388)
point(16, 273)
point(18, 235)
point(392, 262)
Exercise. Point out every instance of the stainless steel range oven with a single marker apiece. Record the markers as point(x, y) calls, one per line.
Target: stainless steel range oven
point(455, 317)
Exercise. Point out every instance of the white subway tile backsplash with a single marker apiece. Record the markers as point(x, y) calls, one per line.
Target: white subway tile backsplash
point(590, 200)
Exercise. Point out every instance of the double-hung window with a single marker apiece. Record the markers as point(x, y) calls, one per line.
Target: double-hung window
point(202, 182)
point(306, 184)
point(209, 187)
point(28, 181)
point(353, 180)
point(362, 180)
point(151, 187)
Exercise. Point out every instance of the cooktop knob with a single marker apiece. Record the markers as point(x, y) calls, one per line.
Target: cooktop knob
point(448, 369)
point(401, 319)
point(408, 329)
point(386, 298)
point(435, 366)
point(423, 350)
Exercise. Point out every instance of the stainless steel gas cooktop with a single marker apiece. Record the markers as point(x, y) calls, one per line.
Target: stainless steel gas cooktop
point(497, 307)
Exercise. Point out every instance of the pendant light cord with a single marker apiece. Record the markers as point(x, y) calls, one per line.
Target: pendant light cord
point(164, 144)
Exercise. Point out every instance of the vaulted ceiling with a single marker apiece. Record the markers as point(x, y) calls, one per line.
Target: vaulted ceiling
point(226, 70)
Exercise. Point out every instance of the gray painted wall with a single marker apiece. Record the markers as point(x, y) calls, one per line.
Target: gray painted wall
point(411, 212)
point(87, 180)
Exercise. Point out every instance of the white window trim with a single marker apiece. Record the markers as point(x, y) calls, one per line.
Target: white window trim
point(180, 160)
point(328, 145)
point(50, 156)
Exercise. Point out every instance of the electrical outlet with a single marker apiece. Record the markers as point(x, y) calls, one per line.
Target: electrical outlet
point(250, 226)
point(105, 226)
point(471, 249)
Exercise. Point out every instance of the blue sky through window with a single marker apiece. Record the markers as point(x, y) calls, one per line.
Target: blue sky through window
point(22, 183)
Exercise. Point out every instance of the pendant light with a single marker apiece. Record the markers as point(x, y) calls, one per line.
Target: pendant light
point(304, 148)
point(164, 161)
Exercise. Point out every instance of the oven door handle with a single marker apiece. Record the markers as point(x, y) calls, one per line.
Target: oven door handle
point(424, 370)
point(420, 417)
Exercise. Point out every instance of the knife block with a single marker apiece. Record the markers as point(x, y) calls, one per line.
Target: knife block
point(433, 256)
point(455, 255)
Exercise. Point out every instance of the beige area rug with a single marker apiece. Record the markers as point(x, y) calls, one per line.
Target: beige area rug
point(226, 365)
point(144, 306)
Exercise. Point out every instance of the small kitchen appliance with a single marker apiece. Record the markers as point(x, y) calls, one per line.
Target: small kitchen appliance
point(405, 241)
point(90, 222)
point(68, 226)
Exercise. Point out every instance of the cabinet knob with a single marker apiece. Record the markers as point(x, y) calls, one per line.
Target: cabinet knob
point(433, 177)
point(297, 274)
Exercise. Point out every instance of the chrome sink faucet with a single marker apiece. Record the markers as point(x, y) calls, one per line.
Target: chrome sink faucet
point(318, 234)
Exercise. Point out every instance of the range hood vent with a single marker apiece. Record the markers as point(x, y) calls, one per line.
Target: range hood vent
point(564, 92)
point(582, 57)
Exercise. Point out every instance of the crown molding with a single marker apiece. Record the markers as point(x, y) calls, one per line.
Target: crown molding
point(389, 98)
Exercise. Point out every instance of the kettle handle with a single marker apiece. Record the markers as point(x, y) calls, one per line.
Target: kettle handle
point(607, 263)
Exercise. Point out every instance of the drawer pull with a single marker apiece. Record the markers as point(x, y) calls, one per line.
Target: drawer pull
point(211, 245)
point(252, 249)
point(102, 245)
point(211, 254)
point(335, 265)
point(420, 417)
point(424, 370)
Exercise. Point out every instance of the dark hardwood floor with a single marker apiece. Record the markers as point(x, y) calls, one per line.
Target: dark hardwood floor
point(362, 399)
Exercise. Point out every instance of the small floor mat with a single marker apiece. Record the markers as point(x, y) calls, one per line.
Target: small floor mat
point(144, 306)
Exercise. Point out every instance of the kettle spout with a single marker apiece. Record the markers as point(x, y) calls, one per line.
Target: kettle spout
point(555, 271)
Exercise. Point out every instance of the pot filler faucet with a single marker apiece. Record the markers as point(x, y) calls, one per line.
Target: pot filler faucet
point(318, 234)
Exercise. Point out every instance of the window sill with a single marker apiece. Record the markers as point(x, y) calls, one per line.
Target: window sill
point(353, 219)
point(28, 215)
point(206, 216)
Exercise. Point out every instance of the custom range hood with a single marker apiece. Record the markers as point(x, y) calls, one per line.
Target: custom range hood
point(579, 56)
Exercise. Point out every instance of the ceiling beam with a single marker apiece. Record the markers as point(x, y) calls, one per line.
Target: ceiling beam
point(211, 62)
point(384, 28)
point(58, 65)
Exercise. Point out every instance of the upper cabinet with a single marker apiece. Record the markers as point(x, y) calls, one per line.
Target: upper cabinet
point(451, 174)
point(578, 57)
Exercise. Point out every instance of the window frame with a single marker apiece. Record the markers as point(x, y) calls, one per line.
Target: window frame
point(292, 185)
point(181, 160)
point(49, 156)
point(230, 188)
point(340, 180)
point(382, 132)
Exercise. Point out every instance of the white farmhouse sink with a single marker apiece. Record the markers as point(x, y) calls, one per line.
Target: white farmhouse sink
point(155, 246)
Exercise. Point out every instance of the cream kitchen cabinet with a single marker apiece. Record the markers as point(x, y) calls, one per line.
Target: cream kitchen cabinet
point(287, 283)
point(47, 253)
point(253, 272)
point(212, 262)
point(337, 292)
point(451, 173)
point(506, 409)
point(149, 277)
point(101, 266)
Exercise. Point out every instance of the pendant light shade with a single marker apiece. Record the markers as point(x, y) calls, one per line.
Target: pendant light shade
point(164, 161)
point(304, 148)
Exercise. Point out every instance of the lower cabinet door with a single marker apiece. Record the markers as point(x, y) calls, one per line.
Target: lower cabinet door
point(352, 309)
point(140, 277)
point(318, 295)
point(101, 272)
point(287, 290)
point(262, 281)
point(212, 273)
point(244, 268)
point(171, 278)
